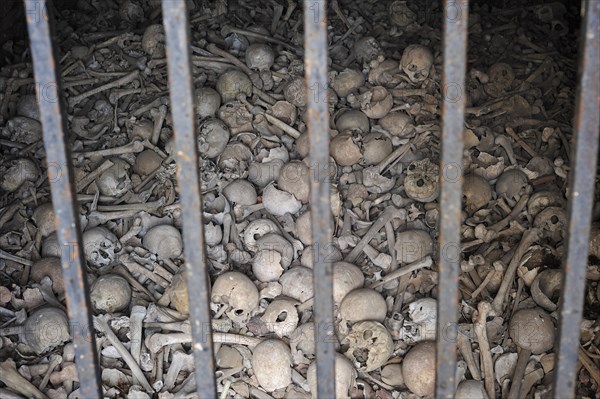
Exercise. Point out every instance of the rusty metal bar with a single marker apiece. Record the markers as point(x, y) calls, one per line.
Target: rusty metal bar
point(60, 175)
point(177, 32)
point(581, 199)
point(453, 84)
point(317, 120)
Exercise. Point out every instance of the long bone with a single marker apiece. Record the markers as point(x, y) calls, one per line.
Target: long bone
point(388, 214)
point(134, 146)
point(103, 327)
point(529, 237)
point(130, 77)
point(155, 342)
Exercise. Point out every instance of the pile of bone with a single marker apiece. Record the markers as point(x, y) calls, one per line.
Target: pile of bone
point(250, 104)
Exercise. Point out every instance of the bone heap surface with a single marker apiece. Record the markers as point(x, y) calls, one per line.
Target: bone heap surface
point(384, 98)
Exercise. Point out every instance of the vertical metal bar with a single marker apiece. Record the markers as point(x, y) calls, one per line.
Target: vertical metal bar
point(177, 32)
point(317, 118)
point(581, 199)
point(60, 175)
point(453, 84)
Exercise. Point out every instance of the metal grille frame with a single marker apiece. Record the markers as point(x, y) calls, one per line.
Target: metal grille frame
point(581, 178)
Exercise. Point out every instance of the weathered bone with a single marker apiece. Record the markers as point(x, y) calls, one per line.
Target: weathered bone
point(116, 83)
point(15, 381)
point(103, 327)
point(529, 237)
point(158, 115)
point(134, 146)
point(388, 214)
point(483, 310)
point(54, 361)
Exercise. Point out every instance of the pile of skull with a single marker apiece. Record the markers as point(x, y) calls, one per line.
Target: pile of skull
point(250, 100)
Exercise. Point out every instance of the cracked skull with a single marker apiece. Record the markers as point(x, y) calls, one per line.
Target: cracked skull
point(100, 246)
point(236, 291)
point(416, 62)
point(369, 345)
point(422, 181)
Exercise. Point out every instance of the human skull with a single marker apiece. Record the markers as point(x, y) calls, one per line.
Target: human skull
point(276, 242)
point(346, 277)
point(255, 230)
point(418, 368)
point(281, 317)
point(164, 240)
point(235, 114)
point(303, 340)
point(100, 246)
point(49, 267)
point(266, 266)
point(240, 192)
point(43, 216)
point(110, 293)
point(344, 149)
point(513, 183)
point(23, 130)
point(153, 41)
point(397, 124)
point(545, 289)
point(400, 14)
point(553, 221)
point(279, 202)
point(345, 377)
point(416, 62)
point(347, 81)
point(543, 199)
point(16, 172)
point(147, 162)
point(285, 111)
point(352, 119)
point(207, 102)
point(235, 157)
point(297, 283)
point(271, 363)
point(422, 181)
point(369, 345)
point(260, 56)
point(45, 328)
point(412, 245)
point(360, 305)
point(115, 181)
point(238, 293)
point(213, 136)
point(376, 147)
point(295, 92)
point(367, 49)
point(376, 102)
point(422, 321)
point(232, 83)
point(294, 178)
point(477, 192)
point(501, 78)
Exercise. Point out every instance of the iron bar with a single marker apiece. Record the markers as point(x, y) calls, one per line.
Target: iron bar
point(177, 32)
point(581, 199)
point(60, 175)
point(453, 85)
point(317, 120)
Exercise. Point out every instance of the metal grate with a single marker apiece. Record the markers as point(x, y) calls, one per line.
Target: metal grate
point(455, 45)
